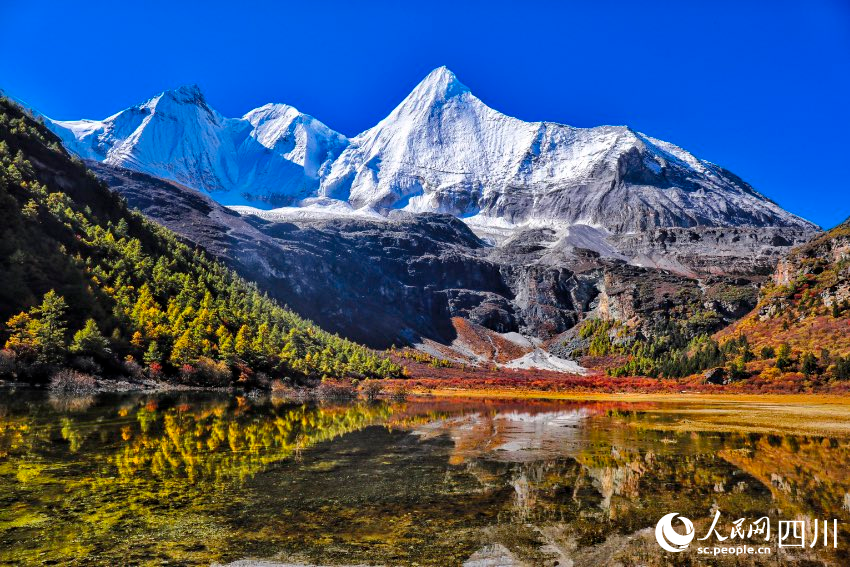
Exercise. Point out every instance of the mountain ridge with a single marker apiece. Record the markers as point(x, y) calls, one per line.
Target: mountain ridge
point(440, 150)
point(272, 152)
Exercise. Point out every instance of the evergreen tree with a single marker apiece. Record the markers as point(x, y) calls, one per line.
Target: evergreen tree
point(40, 334)
point(24, 335)
point(842, 368)
point(183, 351)
point(53, 327)
point(783, 357)
point(226, 349)
point(153, 354)
point(89, 340)
point(809, 364)
point(138, 340)
point(242, 346)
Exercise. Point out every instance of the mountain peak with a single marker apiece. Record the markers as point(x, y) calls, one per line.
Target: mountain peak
point(270, 111)
point(439, 84)
point(187, 94)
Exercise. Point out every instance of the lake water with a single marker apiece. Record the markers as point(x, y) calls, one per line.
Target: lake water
point(198, 479)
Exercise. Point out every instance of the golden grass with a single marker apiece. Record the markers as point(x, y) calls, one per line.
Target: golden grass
point(804, 414)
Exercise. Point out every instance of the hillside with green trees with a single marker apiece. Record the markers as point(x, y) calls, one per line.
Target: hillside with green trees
point(672, 352)
point(88, 284)
point(802, 321)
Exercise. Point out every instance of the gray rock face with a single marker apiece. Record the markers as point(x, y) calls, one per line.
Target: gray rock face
point(711, 250)
point(402, 278)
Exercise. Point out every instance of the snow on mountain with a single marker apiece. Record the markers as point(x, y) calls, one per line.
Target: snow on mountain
point(271, 156)
point(440, 150)
point(443, 150)
point(312, 210)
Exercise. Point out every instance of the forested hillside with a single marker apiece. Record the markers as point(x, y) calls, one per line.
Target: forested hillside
point(90, 284)
point(799, 331)
point(802, 322)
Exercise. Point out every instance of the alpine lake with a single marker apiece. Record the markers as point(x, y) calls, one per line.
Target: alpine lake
point(207, 479)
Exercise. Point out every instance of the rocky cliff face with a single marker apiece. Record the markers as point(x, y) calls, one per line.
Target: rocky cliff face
point(404, 278)
point(818, 272)
point(699, 251)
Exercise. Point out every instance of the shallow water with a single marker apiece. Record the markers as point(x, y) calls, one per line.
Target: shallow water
point(199, 479)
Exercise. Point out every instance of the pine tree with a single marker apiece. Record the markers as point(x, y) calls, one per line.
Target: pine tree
point(53, 327)
point(183, 351)
point(783, 357)
point(138, 340)
point(809, 364)
point(242, 345)
point(153, 354)
point(89, 340)
point(226, 349)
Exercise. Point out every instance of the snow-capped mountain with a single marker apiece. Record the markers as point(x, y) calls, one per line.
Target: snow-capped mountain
point(440, 150)
point(271, 156)
point(443, 150)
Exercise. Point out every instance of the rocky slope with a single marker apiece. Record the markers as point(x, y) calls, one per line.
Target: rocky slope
point(806, 304)
point(411, 278)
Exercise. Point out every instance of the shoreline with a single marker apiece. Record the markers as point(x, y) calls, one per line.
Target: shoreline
point(814, 414)
point(685, 396)
point(720, 397)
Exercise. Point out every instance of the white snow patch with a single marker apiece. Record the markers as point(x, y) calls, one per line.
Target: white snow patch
point(312, 209)
point(543, 360)
point(519, 339)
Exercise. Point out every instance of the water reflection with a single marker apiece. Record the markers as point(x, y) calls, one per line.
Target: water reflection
point(196, 479)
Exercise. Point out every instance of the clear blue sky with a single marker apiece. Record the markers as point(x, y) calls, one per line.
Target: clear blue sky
point(760, 87)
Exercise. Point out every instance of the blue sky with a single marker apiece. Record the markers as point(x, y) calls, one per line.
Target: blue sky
point(760, 87)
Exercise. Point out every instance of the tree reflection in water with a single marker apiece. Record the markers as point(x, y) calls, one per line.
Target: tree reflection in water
point(199, 478)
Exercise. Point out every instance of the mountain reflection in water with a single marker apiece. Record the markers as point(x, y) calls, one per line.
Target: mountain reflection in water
point(201, 479)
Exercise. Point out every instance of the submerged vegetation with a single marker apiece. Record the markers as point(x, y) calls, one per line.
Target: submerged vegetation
point(89, 284)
